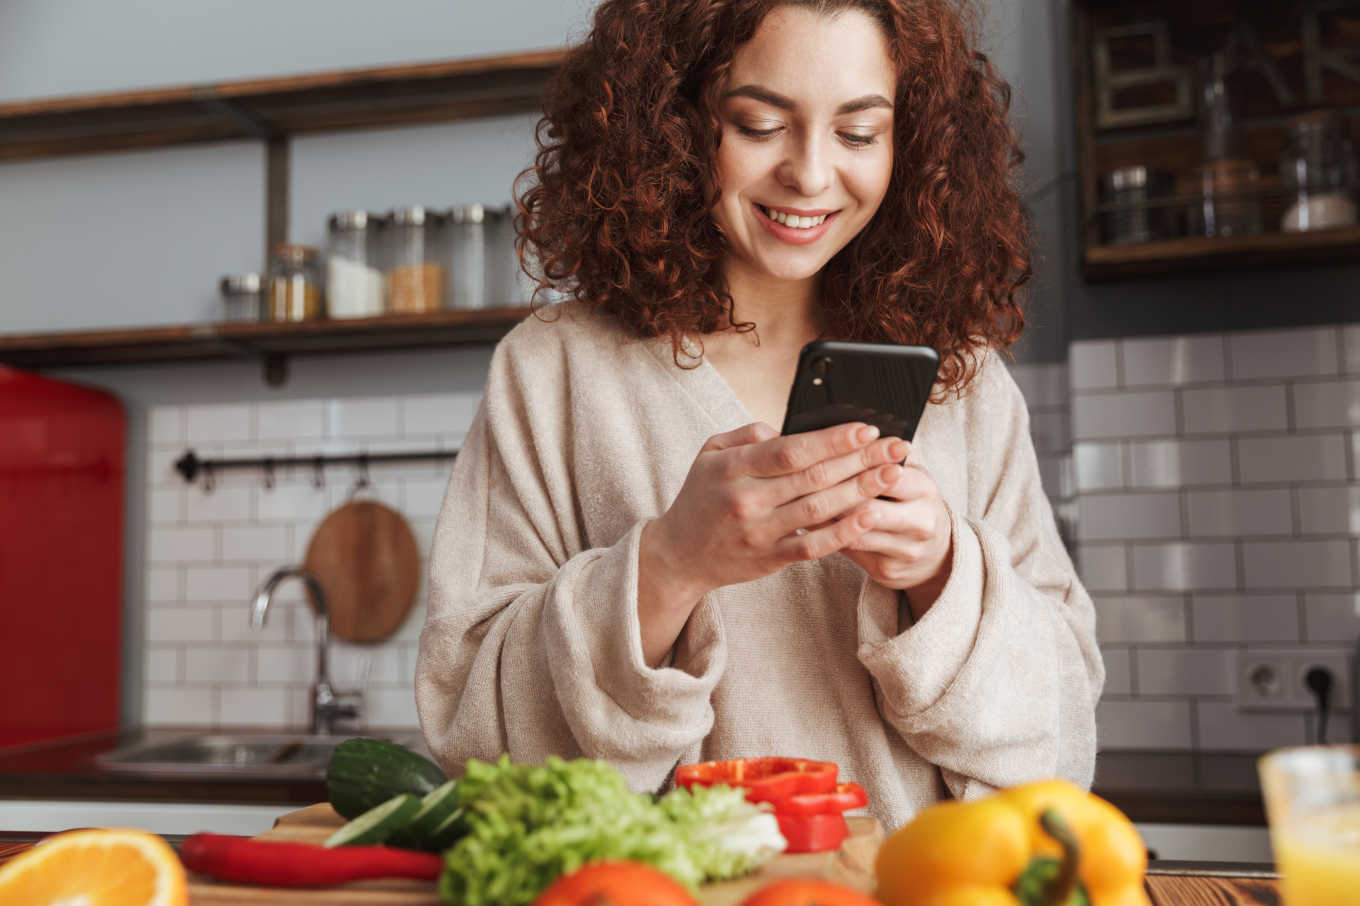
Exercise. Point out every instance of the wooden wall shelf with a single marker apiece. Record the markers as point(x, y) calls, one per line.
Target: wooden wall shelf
point(269, 342)
point(1105, 263)
point(276, 107)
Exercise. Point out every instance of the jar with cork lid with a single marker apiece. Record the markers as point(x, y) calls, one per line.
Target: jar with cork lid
point(416, 270)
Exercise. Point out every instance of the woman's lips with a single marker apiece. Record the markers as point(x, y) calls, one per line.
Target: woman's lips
point(794, 235)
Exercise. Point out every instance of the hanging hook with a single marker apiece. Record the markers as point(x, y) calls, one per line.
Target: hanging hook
point(361, 483)
point(318, 473)
point(268, 474)
point(209, 478)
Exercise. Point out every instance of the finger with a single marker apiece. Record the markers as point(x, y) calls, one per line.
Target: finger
point(832, 537)
point(796, 452)
point(912, 483)
point(813, 510)
point(753, 433)
point(830, 472)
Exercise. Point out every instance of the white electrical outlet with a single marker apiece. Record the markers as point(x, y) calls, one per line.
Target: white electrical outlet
point(1272, 679)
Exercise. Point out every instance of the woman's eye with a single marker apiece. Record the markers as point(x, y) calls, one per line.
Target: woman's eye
point(854, 138)
point(752, 132)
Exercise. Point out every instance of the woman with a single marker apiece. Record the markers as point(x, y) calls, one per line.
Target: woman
point(631, 563)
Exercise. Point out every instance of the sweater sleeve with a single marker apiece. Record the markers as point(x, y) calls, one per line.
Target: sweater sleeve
point(531, 643)
point(998, 681)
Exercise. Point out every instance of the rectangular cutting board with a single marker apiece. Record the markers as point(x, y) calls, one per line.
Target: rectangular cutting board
point(852, 865)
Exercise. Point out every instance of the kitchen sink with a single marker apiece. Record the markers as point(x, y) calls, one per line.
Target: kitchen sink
point(236, 755)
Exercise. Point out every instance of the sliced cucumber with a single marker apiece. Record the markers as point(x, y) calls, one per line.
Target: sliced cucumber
point(365, 772)
point(435, 808)
point(449, 831)
point(378, 823)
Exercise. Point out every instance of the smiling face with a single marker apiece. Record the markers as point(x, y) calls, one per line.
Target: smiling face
point(806, 153)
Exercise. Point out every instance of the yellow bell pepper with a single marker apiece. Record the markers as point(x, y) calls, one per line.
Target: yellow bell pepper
point(1042, 843)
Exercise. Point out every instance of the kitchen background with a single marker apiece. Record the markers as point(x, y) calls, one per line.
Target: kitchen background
point(1199, 434)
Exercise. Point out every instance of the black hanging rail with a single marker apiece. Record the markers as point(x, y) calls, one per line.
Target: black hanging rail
point(191, 466)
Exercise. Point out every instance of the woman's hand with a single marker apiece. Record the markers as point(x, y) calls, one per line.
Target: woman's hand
point(910, 547)
point(755, 501)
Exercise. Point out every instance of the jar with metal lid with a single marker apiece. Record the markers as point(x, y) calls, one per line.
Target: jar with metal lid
point(293, 284)
point(1318, 173)
point(1136, 205)
point(354, 281)
point(504, 280)
point(416, 269)
point(240, 298)
point(467, 256)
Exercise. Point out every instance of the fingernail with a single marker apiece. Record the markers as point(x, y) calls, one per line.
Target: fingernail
point(866, 434)
point(899, 450)
point(866, 519)
point(889, 474)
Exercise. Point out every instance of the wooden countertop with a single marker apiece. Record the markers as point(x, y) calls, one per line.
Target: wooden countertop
point(1148, 786)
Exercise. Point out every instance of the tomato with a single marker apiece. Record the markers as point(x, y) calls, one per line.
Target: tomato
point(813, 833)
point(764, 779)
point(808, 892)
point(615, 884)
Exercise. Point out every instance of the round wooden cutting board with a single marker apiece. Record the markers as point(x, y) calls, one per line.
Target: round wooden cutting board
point(366, 559)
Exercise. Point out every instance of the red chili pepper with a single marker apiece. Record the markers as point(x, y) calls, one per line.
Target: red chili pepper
point(813, 833)
point(765, 779)
point(843, 798)
point(287, 864)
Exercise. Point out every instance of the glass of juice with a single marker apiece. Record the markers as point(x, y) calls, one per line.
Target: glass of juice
point(1312, 796)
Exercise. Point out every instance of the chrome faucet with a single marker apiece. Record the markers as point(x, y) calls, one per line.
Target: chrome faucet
point(327, 705)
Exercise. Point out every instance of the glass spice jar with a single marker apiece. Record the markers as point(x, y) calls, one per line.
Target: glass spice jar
point(467, 250)
point(293, 284)
point(354, 282)
point(1318, 174)
point(416, 273)
point(240, 298)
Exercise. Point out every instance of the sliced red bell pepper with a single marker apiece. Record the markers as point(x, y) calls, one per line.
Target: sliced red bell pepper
point(764, 779)
point(813, 833)
point(841, 799)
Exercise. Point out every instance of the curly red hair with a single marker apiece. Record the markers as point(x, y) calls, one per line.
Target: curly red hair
point(616, 209)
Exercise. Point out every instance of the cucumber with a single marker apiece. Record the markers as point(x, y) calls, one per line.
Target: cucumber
point(377, 824)
point(435, 809)
point(364, 772)
point(450, 831)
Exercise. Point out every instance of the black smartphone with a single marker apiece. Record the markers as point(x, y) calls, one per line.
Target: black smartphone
point(883, 384)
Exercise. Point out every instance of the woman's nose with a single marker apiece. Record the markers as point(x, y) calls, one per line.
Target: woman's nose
point(807, 168)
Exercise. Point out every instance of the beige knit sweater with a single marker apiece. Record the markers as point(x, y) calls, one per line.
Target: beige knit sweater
point(531, 645)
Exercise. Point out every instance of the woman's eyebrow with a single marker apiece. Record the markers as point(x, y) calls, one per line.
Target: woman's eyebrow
point(774, 99)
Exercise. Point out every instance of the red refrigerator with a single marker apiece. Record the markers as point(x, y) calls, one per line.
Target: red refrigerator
point(61, 557)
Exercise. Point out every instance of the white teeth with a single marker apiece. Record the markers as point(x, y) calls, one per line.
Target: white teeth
point(793, 220)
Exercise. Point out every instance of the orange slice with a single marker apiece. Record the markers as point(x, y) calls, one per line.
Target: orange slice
point(102, 867)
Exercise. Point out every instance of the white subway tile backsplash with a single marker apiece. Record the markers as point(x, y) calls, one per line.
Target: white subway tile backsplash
point(1238, 513)
point(358, 419)
point(1351, 334)
point(256, 542)
point(175, 623)
point(217, 584)
point(1244, 618)
point(1098, 416)
point(1282, 353)
point(439, 414)
point(206, 425)
point(164, 585)
point(174, 544)
point(233, 624)
point(1296, 457)
point(290, 502)
point(1223, 410)
point(1093, 364)
point(1187, 671)
point(1179, 463)
point(1143, 724)
point(160, 466)
point(422, 498)
point(298, 420)
point(164, 664)
point(165, 425)
point(1098, 466)
point(1329, 510)
point(392, 706)
point(164, 504)
point(178, 705)
point(285, 664)
point(1108, 517)
point(1173, 360)
point(1050, 431)
point(1118, 670)
point(261, 706)
point(1297, 564)
point(1184, 566)
point(364, 665)
point(1222, 727)
point(1140, 619)
point(1331, 616)
point(1327, 404)
point(217, 665)
point(222, 504)
point(1103, 567)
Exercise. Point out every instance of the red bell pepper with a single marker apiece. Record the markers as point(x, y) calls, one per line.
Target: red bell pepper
point(813, 833)
point(288, 864)
point(844, 797)
point(764, 779)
